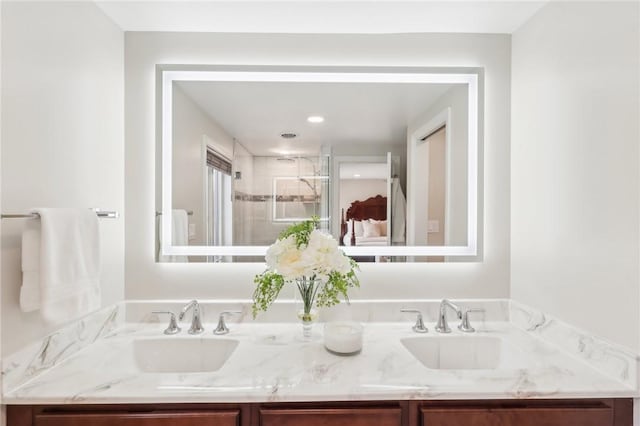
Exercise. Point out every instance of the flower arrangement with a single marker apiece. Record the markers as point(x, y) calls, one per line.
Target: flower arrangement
point(313, 260)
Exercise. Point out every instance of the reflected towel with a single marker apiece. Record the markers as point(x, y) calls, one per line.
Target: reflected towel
point(179, 235)
point(398, 213)
point(69, 266)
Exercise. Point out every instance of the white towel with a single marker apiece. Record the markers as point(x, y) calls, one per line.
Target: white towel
point(179, 235)
point(30, 290)
point(69, 266)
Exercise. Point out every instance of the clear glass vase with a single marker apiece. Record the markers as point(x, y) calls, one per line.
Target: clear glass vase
point(307, 289)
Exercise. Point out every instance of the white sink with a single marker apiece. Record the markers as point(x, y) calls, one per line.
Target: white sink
point(182, 355)
point(456, 352)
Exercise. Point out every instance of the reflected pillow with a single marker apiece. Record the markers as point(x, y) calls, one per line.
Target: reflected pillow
point(382, 226)
point(359, 228)
point(371, 229)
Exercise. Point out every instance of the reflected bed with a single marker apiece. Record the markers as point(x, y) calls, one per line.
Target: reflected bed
point(369, 219)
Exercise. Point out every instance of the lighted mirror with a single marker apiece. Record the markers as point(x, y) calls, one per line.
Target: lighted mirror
point(386, 158)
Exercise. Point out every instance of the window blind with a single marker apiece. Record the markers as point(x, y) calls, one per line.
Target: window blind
point(218, 162)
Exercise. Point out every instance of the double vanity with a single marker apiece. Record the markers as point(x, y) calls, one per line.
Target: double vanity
point(504, 365)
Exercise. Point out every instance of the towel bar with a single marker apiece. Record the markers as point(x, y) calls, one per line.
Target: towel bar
point(100, 213)
point(189, 213)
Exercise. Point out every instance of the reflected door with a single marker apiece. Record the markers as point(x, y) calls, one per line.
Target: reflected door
point(325, 192)
point(429, 213)
point(436, 220)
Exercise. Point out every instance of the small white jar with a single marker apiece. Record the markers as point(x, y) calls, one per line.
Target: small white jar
point(343, 337)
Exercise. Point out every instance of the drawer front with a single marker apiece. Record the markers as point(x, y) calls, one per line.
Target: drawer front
point(583, 416)
point(332, 417)
point(222, 418)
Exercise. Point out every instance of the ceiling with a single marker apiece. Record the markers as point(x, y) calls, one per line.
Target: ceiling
point(322, 17)
point(355, 113)
point(257, 115)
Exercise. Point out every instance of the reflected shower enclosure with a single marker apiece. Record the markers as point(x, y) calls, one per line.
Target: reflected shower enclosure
point(281, 190)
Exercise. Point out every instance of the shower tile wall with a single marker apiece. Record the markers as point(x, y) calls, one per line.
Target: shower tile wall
point(253, 208)
point(242, 186)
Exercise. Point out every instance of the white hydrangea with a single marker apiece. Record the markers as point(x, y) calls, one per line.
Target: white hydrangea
point(319, 257)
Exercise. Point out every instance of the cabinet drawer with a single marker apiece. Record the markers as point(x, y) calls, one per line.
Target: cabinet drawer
point(218, 418)
point(557, 416)
point(331, 417)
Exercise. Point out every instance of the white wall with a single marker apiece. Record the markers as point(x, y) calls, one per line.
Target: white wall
point(575, 166)
point(62, 136)
point(145, 278)
point(190, 124)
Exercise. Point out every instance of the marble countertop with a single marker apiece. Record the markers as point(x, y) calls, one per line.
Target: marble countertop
point(272, 363)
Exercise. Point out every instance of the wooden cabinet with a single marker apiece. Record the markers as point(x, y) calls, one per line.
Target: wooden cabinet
point(332, 417)
point(518, 416)
point(587, 412)
point(130, 415)
point(528, 413)
point(175, 418)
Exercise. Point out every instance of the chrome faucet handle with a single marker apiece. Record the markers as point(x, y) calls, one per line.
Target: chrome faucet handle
point(172, 328)
point(196, 320)
point(419, 327)
point(222, 326)
point(465, 325)
point(443, 326)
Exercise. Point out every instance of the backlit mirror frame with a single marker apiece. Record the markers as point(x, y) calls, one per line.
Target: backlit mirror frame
point(168, 74)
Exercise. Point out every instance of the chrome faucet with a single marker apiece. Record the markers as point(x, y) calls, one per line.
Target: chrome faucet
point(419, 326)
point(196, 320)
point(465, 325)
point(443, 325)
point(222, 326)
point(172, 328)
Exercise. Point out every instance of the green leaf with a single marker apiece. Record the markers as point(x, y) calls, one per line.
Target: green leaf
point(301, 231)
point(338, 285)
point(269, 286)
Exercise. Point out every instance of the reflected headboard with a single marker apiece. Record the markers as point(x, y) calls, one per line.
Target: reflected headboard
point(371, 208)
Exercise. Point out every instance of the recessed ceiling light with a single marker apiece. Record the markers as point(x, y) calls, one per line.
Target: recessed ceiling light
point(315, 119)
point(356, 175)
